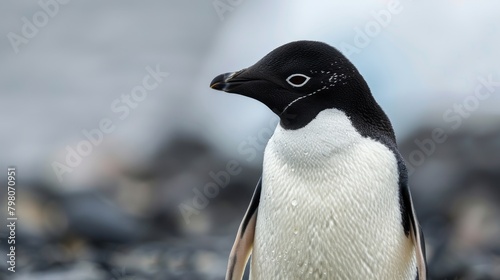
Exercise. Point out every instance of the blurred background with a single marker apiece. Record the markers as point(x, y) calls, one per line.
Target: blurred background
point(106, 113)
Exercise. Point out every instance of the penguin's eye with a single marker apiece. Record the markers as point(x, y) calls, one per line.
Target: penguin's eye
point(297, 80)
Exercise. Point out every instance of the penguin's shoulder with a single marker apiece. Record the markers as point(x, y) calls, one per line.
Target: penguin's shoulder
point(409, 219)
point(404, 201)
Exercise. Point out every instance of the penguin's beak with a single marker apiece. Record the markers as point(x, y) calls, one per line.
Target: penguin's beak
point(230, 81)
point(253, 82)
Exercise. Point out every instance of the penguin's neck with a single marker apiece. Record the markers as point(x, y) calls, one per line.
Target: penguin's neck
point(329, 133)
point(361, 109)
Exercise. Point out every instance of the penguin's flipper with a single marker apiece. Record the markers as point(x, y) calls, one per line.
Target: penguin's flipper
point(416, 235)
point(243, 244)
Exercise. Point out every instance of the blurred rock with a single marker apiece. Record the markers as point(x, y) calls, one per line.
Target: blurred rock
point(457, 192)
point(79, 271)
point(93, 216)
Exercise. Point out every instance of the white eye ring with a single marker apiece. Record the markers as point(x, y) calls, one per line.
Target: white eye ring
point(288, 80)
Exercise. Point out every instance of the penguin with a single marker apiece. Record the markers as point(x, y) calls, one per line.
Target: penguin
point(333, 200)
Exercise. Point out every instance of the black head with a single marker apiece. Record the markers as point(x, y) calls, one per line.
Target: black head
point(300, 79)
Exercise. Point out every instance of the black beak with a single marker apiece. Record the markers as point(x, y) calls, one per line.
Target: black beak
point(229, 81)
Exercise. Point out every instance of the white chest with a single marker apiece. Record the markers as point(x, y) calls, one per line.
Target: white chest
point(329, 207)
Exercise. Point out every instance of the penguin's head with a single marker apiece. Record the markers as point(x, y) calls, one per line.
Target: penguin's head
point(298, 80)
